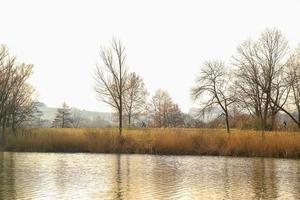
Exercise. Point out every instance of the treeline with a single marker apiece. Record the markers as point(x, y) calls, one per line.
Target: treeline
point(158, 111)
point(262, 81)
point(16, 104)
point(126, 93)
point(67, 117)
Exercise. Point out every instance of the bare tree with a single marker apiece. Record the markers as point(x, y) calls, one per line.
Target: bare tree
point(134, 97)
point(259, 75)
point(250, 94)
point(160, 102)
point(7, 64)
point(21, 105)
point(165, 112)
point(16, 105)
point(291, 87)
point(174, 116)
point(213, 83)
point(111, 76)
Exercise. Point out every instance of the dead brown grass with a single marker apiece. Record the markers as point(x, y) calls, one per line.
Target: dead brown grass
point(159, 141)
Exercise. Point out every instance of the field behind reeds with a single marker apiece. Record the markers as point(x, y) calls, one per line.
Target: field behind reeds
point(158, 141)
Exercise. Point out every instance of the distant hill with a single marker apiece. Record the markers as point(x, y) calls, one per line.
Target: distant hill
point(90, 118)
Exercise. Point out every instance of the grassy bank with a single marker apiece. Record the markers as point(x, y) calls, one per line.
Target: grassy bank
point(159, 141)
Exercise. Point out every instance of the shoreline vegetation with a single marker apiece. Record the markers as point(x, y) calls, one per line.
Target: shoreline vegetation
point(158, 141)
point(259, 90)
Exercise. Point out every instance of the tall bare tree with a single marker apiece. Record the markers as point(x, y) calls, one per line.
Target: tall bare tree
point(134, 97)
point(213, 83)
point(111, 76)
point(259, 75)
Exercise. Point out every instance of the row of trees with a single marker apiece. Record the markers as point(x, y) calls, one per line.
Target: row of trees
point(159, 111)
point(126, 92)
point(264, 80)
point(16, 104)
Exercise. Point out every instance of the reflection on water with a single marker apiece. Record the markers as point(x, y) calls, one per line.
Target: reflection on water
point(112, 176)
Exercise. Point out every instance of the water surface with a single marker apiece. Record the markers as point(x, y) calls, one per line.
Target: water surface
point(112, 176)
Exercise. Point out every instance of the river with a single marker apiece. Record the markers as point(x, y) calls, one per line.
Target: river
point(113, 176)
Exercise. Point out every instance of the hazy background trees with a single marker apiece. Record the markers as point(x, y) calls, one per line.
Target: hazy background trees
point(77, 118)
point(63, 118)
point(16, 104)
point(165, 113)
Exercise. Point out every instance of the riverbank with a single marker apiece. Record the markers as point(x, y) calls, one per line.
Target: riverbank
point(158, 141)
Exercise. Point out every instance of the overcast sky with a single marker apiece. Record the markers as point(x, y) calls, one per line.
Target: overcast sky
point(166, 41)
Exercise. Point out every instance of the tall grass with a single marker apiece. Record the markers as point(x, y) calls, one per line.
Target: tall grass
point(158, 141)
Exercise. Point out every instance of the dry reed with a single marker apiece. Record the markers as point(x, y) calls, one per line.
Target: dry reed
point(158, 141)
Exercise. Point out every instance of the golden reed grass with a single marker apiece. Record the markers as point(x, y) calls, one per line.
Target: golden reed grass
point(158, 141)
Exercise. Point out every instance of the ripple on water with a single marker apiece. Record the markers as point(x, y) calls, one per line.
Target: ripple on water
point(112, 176)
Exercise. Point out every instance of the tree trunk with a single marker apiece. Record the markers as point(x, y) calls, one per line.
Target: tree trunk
point(227, 122)
point(13, 123)
point(262, 126)
point(273, 118)
point(120, 123)
point(2, 134)
point(265, 112)
point(1, 137)
point(264, 121)
point(63, 121)
point(129, 120)
point(298, 119)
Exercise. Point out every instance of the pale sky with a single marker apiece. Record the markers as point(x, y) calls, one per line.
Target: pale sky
point(166, 41)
